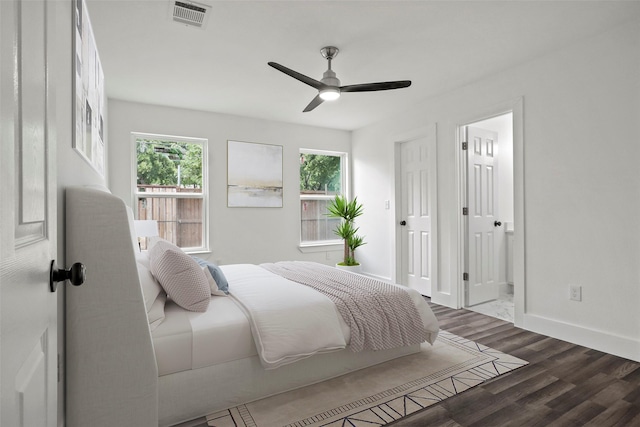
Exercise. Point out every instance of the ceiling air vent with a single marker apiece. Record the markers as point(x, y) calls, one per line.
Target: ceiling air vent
point(191, 13)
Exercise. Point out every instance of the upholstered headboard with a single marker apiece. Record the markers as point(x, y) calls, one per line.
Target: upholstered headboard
point(111, 372)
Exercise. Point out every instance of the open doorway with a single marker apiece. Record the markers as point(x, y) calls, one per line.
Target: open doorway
point(489, 216)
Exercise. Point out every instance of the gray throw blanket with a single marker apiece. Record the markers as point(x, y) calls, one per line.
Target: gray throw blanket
point(381, 316)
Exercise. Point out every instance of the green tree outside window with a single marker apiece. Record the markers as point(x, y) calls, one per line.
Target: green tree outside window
point(320, 173)
point(169, 163)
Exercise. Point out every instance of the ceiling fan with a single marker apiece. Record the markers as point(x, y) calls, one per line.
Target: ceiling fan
point(328, 87)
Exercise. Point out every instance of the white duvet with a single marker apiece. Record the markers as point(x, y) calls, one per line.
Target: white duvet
point(289, 322)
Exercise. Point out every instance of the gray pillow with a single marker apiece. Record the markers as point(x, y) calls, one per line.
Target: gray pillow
point(180, 276)
point(216, 273)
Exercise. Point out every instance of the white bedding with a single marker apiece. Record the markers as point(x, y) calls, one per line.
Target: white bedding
point(189, 340)
point(289, 322)
point(379, 315)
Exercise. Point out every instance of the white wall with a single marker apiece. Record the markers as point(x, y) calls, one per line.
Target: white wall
point(581, 185)
point(237, 235)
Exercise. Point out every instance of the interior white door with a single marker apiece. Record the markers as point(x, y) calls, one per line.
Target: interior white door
point(418, 213)
point(482, 194)
point(28, 317)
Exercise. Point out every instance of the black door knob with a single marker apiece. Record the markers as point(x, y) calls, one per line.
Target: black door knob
point(403, 222)
point(76, 275)
point(497, 223)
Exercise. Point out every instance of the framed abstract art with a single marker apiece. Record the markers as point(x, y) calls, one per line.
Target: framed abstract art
point(254, 175)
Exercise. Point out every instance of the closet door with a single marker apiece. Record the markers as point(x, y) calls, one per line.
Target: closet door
point(418, 224)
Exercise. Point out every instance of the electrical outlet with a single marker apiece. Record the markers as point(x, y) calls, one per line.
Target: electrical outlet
point(575, 293)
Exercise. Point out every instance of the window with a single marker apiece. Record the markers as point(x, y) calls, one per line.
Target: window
point(171, 187)
point(322, 177)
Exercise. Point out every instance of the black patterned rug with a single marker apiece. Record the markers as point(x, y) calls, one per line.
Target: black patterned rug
point(380, 394)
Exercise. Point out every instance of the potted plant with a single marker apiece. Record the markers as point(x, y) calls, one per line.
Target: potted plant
point(347, 212)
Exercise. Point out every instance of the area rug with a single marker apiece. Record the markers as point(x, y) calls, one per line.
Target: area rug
point(380, 394)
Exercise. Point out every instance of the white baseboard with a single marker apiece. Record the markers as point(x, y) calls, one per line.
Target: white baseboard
point(375, 276)
point(591, 338)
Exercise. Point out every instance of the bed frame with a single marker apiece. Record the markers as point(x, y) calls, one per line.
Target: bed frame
point(111, 372)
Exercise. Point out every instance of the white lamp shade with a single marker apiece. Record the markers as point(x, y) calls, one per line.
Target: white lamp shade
point(146, 228)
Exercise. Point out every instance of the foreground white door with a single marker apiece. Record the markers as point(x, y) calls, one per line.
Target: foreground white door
point(418, 218)
point(482, 192)
point(28, 316)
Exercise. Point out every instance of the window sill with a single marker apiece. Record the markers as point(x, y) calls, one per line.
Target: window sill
point(307, 248)
point(197, 251)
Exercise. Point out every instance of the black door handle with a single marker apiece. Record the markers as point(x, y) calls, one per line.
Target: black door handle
point(403, 222)
point(497, 223)
point(76, 275)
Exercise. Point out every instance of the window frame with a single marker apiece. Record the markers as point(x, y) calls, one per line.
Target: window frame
point(204, 195)
point(322, 245)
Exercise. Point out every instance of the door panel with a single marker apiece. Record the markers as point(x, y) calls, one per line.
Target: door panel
point(482, 260)
point(425, 249)
point(418, 174)
point(28, 315)
point(410, 245)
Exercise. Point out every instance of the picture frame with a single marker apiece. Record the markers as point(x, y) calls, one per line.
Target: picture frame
point(254, 175)
point(88, 92)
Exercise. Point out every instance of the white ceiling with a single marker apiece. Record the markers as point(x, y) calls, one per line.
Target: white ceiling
point(438, 45)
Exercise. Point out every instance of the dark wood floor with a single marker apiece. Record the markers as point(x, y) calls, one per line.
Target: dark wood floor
point(563, 385)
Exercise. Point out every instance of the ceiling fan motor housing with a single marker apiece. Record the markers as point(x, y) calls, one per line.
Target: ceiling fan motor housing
point(329, 78)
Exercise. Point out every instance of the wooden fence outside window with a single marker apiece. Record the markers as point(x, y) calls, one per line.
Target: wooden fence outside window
point(179, 219)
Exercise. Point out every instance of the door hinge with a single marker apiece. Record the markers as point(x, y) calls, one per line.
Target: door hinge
point(465, 146)
point(465, 277)
point(465, 211)
point(59, 362)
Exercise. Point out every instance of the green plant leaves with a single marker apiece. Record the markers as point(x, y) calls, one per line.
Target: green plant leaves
point(348, 211)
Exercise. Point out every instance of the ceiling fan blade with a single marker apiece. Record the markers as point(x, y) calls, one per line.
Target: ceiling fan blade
point(370, 87)
point(296, 75)
point(313, 104)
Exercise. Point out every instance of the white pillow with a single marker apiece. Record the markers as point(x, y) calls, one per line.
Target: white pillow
point(212, 283)
point(143, 258)
point(180, 276)
point(156, 313)
point(150, 286)
point(151, 241)
point(154, 296)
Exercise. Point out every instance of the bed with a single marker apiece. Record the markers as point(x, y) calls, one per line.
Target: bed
point(126, 367)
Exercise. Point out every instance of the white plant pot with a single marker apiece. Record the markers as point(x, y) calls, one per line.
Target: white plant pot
point(351, 268)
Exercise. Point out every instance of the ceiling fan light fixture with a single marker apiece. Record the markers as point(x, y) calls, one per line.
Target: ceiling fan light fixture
point(329, 87)
point(330, 94)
